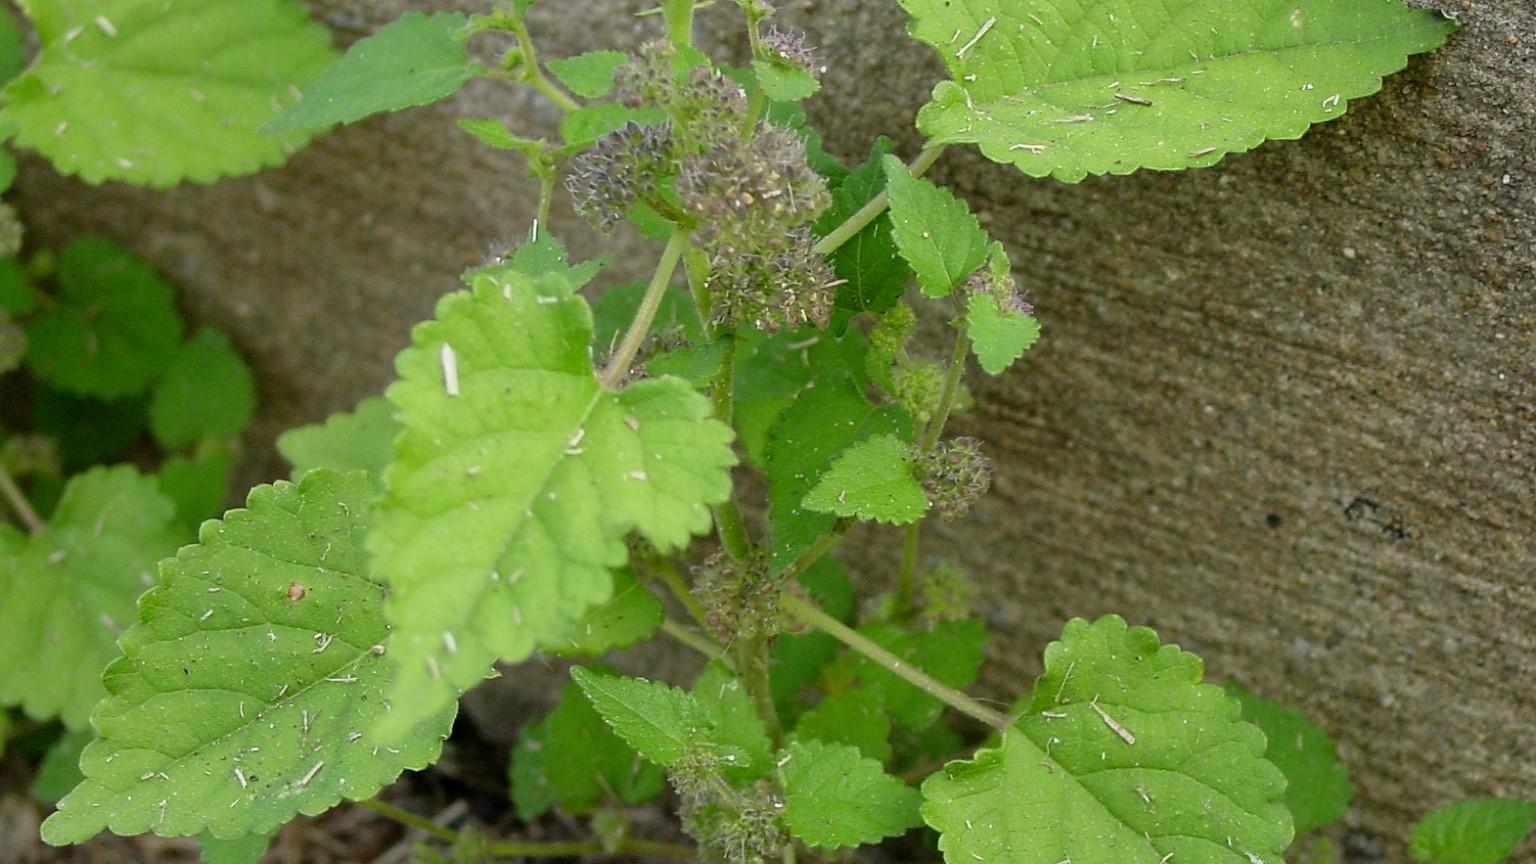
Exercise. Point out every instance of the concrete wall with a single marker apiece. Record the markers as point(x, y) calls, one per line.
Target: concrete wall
point(1284, 409)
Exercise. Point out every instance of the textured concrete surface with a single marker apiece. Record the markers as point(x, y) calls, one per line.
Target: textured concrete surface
point(1284, 409)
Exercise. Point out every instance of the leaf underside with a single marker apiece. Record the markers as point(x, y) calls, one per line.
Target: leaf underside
point(1068, 88)
point(1121, 757)
point(515, 479)
point(243, 695)
point(159, 91)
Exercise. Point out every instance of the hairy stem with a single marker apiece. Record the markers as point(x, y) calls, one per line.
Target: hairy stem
point(532, 73)
point(19, 503)
point(679, 17)
point(952, 379)
point(679, 588)
point(813, 553)
point(698, 641)
point(628, 847)
point(728, 521)
point(407, 818)
point(753, 653)
point(546, 195)
point(871, 211)
point(618, 363)
point(809, 614)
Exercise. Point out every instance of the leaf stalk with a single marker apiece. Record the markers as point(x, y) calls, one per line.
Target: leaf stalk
point(877, 205)
point(640, 328)
point(19, 503)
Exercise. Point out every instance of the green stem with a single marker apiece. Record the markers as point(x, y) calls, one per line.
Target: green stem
point(407, 818)
point(674, 582)
point(952, 380)
point(532, 73)
point(753, 661)
point(871, 211)
point(809, 614)
point(907, 577)
point(579, 848)
point(679, 17)
point(698, 642)
point(813, 552)
point(19, 503)
point(618, 363)
point(546, 194)
point(728, 521)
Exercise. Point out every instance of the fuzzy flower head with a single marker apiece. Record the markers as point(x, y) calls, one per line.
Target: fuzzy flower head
point(620, 168)
point(781, 289)
point(954, 475)
point(740, 599)
point(793, 48)
point(700, 99)
point(751, 194)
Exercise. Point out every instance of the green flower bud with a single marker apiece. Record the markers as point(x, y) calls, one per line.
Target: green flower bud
point(919, 388)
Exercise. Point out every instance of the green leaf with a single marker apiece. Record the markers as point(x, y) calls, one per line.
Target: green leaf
point(588, 75)
point(873, 481)
point(951, 652)
point(16, 295)
point(1317, 790)
point(13, 47)
point(633, 614)
point(874, 273)
point(241, 850)
point(935, 232)
point(785, 82)
point(797, 658)
point(88, 431)
point(1475, 831)
point(197, 486)
point(114, 328)
point(588, 762)
point(835, 797)
point(494, 133)
point(160, 91)
point(362, 439)
point(824, 420)
point(735, 723)
point(854, 717)
point(1122, 756)
point(539, 255)
point(1068, 88)
point(659, 721)
point(413, 60)
point(206, 393)
point(65, 598)
point(59, 771)
point(528, 774)
point(998, 337)
point(582, 127)
point(612, 312)
point(243, 694)
point(517, 477)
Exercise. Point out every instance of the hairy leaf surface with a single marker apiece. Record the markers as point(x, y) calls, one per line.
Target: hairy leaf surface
point(362, 439)
point(834, 796)
point(413, 60)
point(873, 481)
point(1121, 756)
point(935, 231)
point(998, 336)
point(633, 613)
point(659, 721)
point(1068, 88)
point(1475, 831)
point(588, 75)
point(114, 328)
point(588, 762)
point(823, 421)
point(160, 91)
point(516, 478)
point(67, 594)
point(874, 274)
point(243, 693)
point(734, 721)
